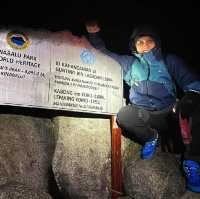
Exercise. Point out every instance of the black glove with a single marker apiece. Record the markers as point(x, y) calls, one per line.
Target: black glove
point(188, 103)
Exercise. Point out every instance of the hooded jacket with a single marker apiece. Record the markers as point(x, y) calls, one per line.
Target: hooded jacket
point(151, 76)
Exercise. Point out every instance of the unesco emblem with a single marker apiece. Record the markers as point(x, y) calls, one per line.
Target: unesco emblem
point(17, 40)
point(87, 57)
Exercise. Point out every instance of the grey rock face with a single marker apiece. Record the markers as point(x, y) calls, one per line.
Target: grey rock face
point(190, 195)
point(20, 191)
point(81, 163)
point(159, 178)
point(26, 151)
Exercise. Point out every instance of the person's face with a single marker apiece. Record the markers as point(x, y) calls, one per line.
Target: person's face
point(145, 44)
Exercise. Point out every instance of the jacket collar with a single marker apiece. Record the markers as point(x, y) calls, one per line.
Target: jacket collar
point(152, 57)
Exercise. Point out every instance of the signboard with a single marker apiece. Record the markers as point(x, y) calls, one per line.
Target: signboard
point(57, 71)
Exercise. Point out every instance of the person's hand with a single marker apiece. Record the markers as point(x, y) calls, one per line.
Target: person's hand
point(188, 103)
point(92, 26)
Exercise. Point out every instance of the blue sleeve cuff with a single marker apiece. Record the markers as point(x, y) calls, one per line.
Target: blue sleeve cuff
point(194, 86)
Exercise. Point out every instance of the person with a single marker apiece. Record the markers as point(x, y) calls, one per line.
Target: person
point(153, 77)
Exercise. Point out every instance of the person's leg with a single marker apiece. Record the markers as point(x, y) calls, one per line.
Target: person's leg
point(191, 161)
point(193, 148)
point(142, 126)
point(134, 124)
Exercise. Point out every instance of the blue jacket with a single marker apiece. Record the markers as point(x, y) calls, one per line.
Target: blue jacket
point(151, 76)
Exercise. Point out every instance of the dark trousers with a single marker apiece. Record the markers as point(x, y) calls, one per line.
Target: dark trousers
point(142, 125)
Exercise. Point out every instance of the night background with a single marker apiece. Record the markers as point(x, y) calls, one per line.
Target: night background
point(177, 22)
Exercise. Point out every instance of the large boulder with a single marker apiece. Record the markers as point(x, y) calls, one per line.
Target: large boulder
point(159, 178)
point(82, 159)
point(19, 191)
point(27, 146)
point(190, 195)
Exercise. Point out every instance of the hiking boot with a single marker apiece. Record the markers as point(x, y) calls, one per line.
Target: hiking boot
point(191, 169)
point(149, 149)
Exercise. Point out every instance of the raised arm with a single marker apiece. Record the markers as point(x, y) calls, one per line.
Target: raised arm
point(93, 29)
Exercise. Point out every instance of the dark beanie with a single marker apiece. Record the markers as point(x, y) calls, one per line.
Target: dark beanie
point(144, 30)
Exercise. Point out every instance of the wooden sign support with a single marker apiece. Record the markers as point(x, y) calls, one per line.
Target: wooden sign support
point(116, 168)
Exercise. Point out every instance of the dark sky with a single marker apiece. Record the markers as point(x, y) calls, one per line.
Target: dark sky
point(177, 20)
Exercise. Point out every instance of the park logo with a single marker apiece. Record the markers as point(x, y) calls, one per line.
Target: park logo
point(17, 40)
point(87, 56)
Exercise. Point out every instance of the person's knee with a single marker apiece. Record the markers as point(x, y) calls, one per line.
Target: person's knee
point(127, 114)
point(122, 115)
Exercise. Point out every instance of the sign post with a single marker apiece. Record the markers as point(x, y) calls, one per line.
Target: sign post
point(116, 181)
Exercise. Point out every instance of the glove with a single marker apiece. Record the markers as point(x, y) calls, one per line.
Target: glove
point(188, 104)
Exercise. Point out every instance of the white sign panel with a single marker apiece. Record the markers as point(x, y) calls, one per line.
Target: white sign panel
point(57, 71)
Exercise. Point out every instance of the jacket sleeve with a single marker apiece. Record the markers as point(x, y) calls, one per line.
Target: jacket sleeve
point(124, 60)
point(185, 79)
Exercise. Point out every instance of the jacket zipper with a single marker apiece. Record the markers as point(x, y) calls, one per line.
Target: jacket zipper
point(148, 75)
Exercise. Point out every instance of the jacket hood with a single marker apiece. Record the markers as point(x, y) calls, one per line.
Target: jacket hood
point(144, 30)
